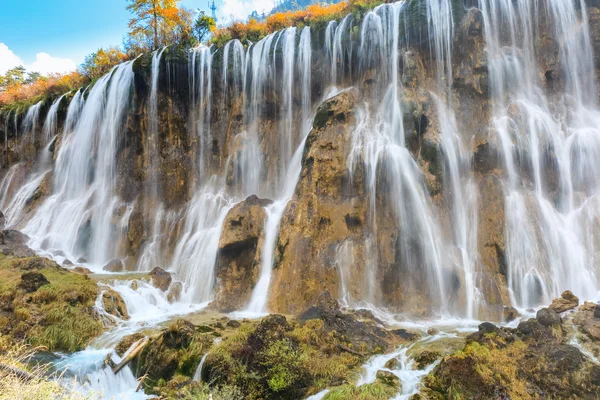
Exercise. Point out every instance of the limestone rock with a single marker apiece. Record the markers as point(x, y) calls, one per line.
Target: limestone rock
point(13, 243)
point(82, 270)
point(357, 334)
point(115, 265)
point(175, 292)
point(320, 215)
point(548, 317)
point(567, 301)
point(161, 279)
point(238, 259)
point(510, 314)
point(388, 378)
point(114, 304)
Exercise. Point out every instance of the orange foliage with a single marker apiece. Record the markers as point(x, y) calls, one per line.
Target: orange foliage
point(254, 30)
point(51, 86)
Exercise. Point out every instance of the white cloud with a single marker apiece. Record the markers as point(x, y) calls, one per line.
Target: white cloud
point(44, 63)
point(239, 10)
point(8, 59)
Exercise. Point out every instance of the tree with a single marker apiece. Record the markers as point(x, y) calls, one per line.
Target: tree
point(151, 19)
point(32, 77)
point(15, 75)
point(100, 62)
point(203, 26)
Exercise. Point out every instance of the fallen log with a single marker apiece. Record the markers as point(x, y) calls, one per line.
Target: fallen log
point(19, 373)
point(137, 347)
point(348, 350)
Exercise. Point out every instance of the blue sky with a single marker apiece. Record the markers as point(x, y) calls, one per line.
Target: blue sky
point(54, 35)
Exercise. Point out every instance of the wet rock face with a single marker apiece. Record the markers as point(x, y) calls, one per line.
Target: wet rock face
point(12, 242)
point(239, 259)
point(320, 215)
point(161, 279)
point(114, 304)
point(114, 266)
point(567, 301)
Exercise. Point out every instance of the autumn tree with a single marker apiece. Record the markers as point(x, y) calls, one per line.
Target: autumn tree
point(203, 26)
point(151, 19)
point(100, 62)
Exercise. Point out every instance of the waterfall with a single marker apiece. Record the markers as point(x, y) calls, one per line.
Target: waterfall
point(198, 373)
point(274, 211)
point(30, 122)
point(49, 130)
point(379, 144)
point(200, 71)
point(286, 137)
point(76, 218)
point(152, 143)
point(550, 239)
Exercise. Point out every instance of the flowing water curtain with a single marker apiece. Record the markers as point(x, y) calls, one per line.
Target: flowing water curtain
point(546, 136)
point(30, 124)
point(77, 217)
point(391, 171)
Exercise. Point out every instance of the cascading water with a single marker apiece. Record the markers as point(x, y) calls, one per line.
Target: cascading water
point(550, 240)
point(30, 122)
point(50, 127)
point(76, 218)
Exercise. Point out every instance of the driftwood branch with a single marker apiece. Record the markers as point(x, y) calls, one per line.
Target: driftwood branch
point(347, 350)
point(136, 349)
point(19, 373)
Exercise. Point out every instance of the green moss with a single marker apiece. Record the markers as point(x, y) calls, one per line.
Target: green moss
point(373, 391)
point(59, 315)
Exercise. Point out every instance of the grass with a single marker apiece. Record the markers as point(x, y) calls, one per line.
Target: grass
point(59, 315)
point(372, 391)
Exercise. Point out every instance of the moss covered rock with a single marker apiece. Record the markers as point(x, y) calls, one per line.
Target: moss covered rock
point(46, 305)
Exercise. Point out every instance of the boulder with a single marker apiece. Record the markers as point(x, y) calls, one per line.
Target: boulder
point(2, 220)
point(510, 314)
point(388, 378)
point(114, 304)
point(82, 260)
point(32, 281)
point(567, 301)
point(82, 270)
point(67, 263)
point(548, 317)
point(238, 259)
point(115, 265)
point(346, 328)
point(13, 243)
point(161, 279)
point(175, 292)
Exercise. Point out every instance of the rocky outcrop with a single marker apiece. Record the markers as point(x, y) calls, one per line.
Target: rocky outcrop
point(320, 215)
point(531, 361)
point(239, 259)
point(566, 301)
point(161, 279)
point(115, 265)
point(114, 304)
